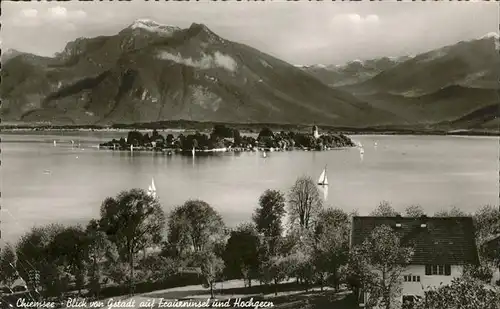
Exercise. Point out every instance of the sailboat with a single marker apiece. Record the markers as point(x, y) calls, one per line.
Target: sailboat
point(55, 143)
point(323, 178)
point(193, 151)
point(152, 188)
point(325, 192)
point(264, 154)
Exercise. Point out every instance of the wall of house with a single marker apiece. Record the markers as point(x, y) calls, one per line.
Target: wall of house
point(418, 288)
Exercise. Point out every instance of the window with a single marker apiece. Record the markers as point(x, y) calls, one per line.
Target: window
point(439, 270)
point(410, 278)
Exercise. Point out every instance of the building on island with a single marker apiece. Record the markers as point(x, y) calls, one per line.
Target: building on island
point(315, 132)
point(442, 246)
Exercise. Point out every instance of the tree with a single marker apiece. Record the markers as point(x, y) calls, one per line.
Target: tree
point(487, 222)
point(302, 257)
point(276, 266)
point(134, 138)
point(384, 209)
point(237, 137)
point(269, 215)
point(211, 267)
point(332, 244)
point(8, 272)
point(377, 264)
point(241, 255)
point(304, 203)
point(157, 268)
point(193, 227)
point(265, 133)
point(133, 220)
point(222, 131)
point(414, 211)
point(482, 272)
point(464, 293)
point(101, 254)
point(32, 255)
point(68, 250)
point(453, 212)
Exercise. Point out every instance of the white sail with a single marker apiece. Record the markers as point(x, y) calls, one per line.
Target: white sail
point(131, 147)
point(55, 143)
point(264, 154)
point(152, 188)
point(193, 151)
point(323, 178)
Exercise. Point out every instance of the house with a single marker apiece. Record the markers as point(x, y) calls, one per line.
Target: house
point(442, 246)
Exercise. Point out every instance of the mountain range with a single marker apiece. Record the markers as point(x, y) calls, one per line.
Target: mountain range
point(450, 85)
point(150, 72)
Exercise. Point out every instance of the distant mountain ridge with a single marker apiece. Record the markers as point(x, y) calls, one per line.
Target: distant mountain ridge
point(352, 72)
point(152, 72)
point(440, 86)
point(149, 72)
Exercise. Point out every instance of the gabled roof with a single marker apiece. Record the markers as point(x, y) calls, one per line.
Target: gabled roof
point(448, 240)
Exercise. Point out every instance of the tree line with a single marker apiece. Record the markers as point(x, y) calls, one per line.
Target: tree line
point(291, 235)
point(224, 137)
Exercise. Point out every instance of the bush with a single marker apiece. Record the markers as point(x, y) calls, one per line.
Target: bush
point(178, 280)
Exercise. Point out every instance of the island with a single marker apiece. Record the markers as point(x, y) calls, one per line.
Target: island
point(223, 138)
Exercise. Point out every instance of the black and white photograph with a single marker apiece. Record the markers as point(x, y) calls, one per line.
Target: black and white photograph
point(250, 154)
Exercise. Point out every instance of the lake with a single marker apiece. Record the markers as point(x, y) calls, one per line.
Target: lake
point(41, 184)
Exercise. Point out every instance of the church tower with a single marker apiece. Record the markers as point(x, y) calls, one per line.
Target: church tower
point(315, 132)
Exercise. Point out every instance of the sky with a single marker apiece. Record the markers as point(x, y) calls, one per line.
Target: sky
point(297, 32)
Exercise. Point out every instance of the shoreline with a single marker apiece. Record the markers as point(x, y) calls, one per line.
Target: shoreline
point(332, 130)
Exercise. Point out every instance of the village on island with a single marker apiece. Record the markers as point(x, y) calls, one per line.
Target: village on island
point(225, 139)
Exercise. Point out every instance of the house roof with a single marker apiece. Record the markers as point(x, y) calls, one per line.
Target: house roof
point(448, 240)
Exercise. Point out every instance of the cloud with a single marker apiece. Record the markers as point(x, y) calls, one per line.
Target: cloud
point(60, 12)
point(206, 62)
point(29, 13)
point(356, 19)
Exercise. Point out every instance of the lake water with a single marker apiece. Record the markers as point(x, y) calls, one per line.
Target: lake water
point(433, 171)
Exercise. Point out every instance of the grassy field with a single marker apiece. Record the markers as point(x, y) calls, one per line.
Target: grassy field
point(287, 295)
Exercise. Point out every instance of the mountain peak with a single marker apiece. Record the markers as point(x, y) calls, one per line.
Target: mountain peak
point(199, 26)
point(493, 35)
point(203, 31)
point(152, 26)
